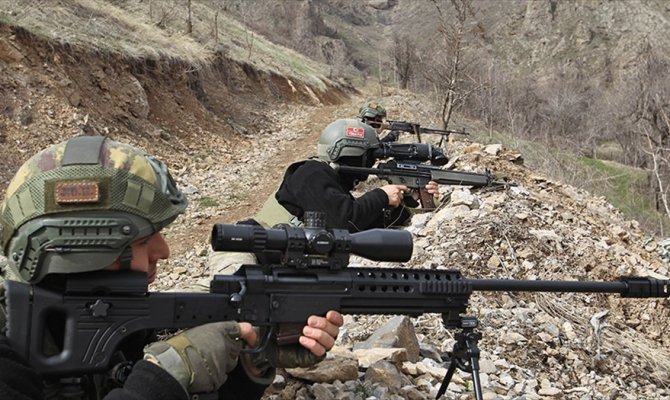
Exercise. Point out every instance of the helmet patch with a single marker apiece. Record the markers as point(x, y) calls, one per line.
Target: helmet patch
point(74, 192)
point(355, 132)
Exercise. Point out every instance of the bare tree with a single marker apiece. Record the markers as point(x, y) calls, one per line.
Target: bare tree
point(650, 115)
point(189, 21)
point(216, 27)
point(659, 166)
point(403, 59)
point(248, 33)
point(165, 12)
point(447, 72)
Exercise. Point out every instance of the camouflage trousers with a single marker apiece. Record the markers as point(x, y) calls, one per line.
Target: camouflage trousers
point(222, 263)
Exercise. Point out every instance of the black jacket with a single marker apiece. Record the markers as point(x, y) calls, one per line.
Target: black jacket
point(315, 186)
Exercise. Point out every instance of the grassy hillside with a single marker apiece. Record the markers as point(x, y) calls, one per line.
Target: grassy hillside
point(623, 186)
point(158, 29)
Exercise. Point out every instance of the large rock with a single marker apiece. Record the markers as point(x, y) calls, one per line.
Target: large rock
point(386, 373)
point(397, 332)
point(333, 368)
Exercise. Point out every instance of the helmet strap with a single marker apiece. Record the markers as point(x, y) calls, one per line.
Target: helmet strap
point(125, 258)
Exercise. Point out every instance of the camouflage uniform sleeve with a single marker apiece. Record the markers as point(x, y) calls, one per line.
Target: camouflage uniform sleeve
point(3, 311)
point(220, 263)
point(227, 263)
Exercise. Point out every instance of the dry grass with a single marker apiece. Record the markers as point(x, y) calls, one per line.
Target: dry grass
point(101, 26)
point(157, 29)
point(617, 338)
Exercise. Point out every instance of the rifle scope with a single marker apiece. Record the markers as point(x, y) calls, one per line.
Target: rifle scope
point(411, 151)
point(373, 244)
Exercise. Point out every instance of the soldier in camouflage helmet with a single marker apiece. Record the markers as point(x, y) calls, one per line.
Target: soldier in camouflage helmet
point(91, 203)
point(316, 184)
point(374, 114)
point(84, 201)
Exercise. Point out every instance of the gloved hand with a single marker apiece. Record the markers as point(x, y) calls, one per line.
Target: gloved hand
point(318, 336)
point(260, 367)
point(199, 358)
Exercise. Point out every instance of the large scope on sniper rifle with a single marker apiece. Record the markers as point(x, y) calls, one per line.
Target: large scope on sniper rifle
point(418, 152)
point(313, 245)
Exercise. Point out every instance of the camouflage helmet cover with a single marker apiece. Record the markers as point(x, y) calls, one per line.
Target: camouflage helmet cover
point(346, 138)
point(77, 206)
point(372, 110)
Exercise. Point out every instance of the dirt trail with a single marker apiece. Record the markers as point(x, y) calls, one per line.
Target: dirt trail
point(235, 190)
point(271, 154)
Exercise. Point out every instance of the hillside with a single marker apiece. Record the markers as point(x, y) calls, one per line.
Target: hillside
point(601, 41)
point(228, 132)
point(583, 78)
point(540, 230)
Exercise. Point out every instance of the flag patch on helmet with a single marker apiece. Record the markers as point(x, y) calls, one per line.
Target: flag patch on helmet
point(355, 132)
point(72, 192)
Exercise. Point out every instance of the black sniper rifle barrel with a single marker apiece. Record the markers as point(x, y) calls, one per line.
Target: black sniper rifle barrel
point(636, 287)
point(246, 238)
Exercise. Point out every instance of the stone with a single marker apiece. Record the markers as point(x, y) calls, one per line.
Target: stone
point(329, 370)
point(386, 373)
point(397, 332)
point(367, 357)
point(493, 149)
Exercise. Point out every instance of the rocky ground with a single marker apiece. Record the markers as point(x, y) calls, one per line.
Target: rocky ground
point(576, 346)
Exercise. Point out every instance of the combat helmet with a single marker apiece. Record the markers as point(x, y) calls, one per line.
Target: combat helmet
point(372, 113)
point(346, 138)
point(372, 109)
point(78, 205)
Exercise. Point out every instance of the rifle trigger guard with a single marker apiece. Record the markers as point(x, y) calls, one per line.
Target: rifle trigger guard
point(263, 344)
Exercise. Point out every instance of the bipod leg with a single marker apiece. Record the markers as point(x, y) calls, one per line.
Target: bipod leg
point(465, 356)
point(447, 379)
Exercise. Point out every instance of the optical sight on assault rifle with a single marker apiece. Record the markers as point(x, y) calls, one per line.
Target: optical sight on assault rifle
point(97, 311)
point(411, 153)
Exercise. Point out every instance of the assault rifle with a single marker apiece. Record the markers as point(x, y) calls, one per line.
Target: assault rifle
point(97, 311)
point(411, 152)
point(417, 129)
point(416, 176)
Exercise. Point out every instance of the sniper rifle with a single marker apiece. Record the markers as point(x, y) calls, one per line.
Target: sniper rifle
point(97, 311)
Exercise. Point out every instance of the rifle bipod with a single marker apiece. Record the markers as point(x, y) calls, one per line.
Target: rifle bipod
point(465, 355)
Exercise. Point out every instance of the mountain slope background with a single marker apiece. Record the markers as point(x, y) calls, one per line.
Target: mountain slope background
point(228, 126)
point(579, 77)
